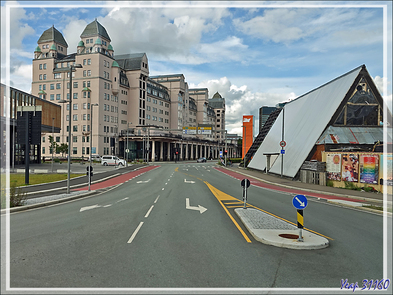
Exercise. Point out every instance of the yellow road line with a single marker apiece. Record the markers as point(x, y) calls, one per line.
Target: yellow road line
point(223, 196)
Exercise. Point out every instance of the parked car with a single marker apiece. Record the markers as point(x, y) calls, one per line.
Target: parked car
point(95, 158)
point(201, 160)
point(112, 160)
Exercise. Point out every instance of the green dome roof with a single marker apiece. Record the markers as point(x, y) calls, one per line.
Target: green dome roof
point(37, 49)
point(98, 41)
point(110, 47)
point(81, 43)
point(53, 47)
point(115, 64)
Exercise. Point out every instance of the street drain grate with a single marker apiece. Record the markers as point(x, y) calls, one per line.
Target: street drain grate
point(288, 236)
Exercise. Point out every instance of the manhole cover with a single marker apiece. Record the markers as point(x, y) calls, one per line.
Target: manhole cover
point(288, 236)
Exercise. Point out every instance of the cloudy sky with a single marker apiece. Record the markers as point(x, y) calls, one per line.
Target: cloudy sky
point(253, 53)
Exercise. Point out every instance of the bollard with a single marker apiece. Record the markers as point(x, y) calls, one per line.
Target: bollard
point(300, 223)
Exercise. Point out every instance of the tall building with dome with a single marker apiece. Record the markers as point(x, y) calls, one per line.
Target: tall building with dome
point(126, 101)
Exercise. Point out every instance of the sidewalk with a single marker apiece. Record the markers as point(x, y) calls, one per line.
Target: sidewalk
point(368, 197)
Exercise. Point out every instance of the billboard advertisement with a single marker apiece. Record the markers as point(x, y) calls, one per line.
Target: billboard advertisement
point(369, 169)
point(387, 179)
point(333, 166)
point(350, 167)
point(248, 132)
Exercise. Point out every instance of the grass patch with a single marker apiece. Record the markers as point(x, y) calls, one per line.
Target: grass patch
point(374, 207)
point(19, 179)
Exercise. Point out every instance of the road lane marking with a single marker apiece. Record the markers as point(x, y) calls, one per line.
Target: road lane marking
point(148, 212)
point(143, 181)
point(89, 207)
point(162, 188)
point(200, 208)
point(122, 200)
point(223, 196)
point(156, 199)
point(135, 232)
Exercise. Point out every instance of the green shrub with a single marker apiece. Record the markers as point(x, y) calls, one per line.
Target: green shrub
point(369, 189)
point(329, 183)
point(235, 160)
point(350, 185)
point(17, 197)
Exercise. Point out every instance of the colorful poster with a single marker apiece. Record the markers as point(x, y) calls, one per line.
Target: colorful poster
point(333, 166)
point(350, 167)
point(388, 180)
point(369, 169)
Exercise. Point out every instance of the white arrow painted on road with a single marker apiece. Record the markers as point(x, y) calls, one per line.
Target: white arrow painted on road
point(199, 208)
point(143, 181)
point(300, 202)
point(188, 181)
point(89, 207)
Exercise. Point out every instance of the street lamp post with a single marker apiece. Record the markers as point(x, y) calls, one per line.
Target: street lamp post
point(245, 146)
point(91, 139)
point(53, 139)
point(72, 68)
point(128, 124)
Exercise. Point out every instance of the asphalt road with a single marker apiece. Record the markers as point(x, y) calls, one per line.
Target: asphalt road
point(141, 235)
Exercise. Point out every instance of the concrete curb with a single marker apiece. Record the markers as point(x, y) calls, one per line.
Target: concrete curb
point(272, 237)
point(60, 200)
point(48, 203)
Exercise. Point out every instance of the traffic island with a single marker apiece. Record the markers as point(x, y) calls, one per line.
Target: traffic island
point(271, 230)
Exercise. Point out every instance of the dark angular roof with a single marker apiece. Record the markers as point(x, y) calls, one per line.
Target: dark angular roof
point(52, 34)
point(130, 61)
point(94, 29)
point(217, 95)
point(217, 104)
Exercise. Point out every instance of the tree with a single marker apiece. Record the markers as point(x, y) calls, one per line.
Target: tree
point(53, 145)
point(63, 148)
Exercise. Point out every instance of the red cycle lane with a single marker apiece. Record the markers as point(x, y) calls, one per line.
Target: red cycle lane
point(118, 179)
point(283, 189)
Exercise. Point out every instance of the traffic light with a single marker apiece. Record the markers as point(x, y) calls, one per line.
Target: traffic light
point(225, 152)
point(89, 169)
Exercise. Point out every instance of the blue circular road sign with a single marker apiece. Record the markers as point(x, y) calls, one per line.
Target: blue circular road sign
point(299, 202)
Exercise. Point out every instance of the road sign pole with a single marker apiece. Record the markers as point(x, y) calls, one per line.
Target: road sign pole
point(245, 183)
point(300, 223)
point(245, 197)
point(300, 202)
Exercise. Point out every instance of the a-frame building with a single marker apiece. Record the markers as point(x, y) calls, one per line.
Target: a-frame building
point(347, 103)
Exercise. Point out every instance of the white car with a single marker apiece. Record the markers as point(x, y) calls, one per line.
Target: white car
point(95, 158)
point(112, 160)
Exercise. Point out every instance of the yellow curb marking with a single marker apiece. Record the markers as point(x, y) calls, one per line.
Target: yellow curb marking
point(221, 196)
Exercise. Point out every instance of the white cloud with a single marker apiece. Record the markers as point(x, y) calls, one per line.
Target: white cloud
point(277, 25)
point(18, 29)
point(72, 32)
point(387, 97)
point(21, 76)
point(240, 100)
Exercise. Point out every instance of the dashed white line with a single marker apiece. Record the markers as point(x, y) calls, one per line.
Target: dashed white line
point(135, 232)
point(163, 188)
point(156, 199)
point(148, 212)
